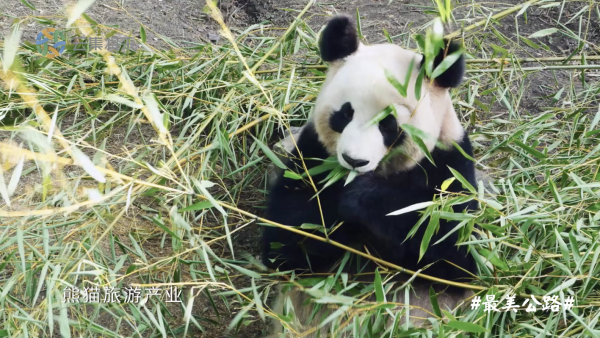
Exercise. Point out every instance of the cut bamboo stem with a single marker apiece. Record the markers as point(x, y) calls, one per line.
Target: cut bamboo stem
point(347, 248)
point(530, 69)
point(496, 61)
point(360, 253)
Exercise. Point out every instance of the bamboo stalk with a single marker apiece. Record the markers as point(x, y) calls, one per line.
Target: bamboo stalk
point(551, 59)
point(526, 69)
point(241, 130)
point(494, 17)
point(504, 70)
point(539, 60)
point(128, 86)
point(253, 70)
point(360, 253)
point(141, 188)
point(6, 148)
point(29, 97)
point(243, 79)
point(375, 259)
point(347, 248)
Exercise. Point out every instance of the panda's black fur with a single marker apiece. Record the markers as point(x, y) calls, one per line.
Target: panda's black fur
point(452, 77)
point(338, 39)
point(364, 203)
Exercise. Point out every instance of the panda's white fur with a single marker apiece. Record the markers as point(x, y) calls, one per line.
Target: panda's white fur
point(360, 77)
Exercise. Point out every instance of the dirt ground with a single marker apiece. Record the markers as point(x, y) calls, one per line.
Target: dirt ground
point(184, 22)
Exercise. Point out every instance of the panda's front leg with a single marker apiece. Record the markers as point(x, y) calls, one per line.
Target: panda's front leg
point(292, 202)
point(369, 199)
point(296, 206)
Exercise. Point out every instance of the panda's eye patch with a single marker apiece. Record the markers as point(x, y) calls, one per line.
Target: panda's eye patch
point(340, 119)
point(390, 131)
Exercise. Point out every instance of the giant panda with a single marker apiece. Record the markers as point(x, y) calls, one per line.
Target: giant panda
point(355, 90)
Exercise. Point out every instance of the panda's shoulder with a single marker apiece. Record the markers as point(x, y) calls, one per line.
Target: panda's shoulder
point(309, 143)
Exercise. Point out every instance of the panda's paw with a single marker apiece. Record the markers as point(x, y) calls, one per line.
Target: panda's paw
point(354, 197)
point(348, 208)
point(364, 181)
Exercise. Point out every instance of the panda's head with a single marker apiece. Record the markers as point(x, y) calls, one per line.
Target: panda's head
point(356, 90)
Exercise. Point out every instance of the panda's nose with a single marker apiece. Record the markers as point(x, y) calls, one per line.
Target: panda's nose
point(353, 162)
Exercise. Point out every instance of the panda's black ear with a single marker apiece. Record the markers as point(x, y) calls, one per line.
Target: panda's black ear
point(453, 76)
point(338, 39)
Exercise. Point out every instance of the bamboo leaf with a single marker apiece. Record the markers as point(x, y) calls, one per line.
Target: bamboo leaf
point(383, 114)
point(468, 327)
point(417, 137)
point(257, 300)
point(292, 175)
point(359, 25)
point(11, 46)
point(402, 88)
point(387, 36)
point(447, 183)
point(565, 285)
point(431, 228)
point(461, 150)
point(379, 295)
point(543, 32)
point(446, 63)
point(270, 154)
point(4, 191)
point(334, 315)
point(63, 321)
point(494, 259)
point(121, 100)
point(434, 302)
point(84, 161)
point(595, 120)
point(28, 4)
point(207, 262)
point(530, 150)
point(143, 34)
point(462, 180)
point(197, 206)
point(563, 247)
point(80, 8)
point(554, 192)
point(351, 177)
point(245, 271)
point(416, 206)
